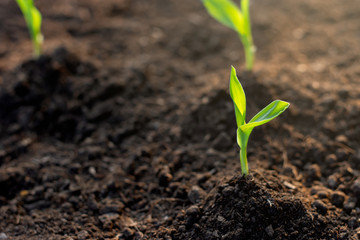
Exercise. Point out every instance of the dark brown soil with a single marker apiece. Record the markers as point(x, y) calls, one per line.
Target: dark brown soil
point(124, 128)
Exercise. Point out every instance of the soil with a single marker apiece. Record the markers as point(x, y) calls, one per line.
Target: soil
point(124, 128)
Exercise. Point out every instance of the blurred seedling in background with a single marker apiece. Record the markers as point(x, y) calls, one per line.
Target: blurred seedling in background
point(33, 21)
point(244, 129)
point(227, 13)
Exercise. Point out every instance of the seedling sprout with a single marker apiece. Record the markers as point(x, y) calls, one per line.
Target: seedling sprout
point(244, 129)
point(227, 13)
point(33, 21)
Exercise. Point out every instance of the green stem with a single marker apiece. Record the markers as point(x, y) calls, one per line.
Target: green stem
point(37, 49)
point(244, 162)
point(249, 52)
point(242, 139)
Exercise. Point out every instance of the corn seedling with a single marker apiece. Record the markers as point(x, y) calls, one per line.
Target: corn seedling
point(227, 13)
point(33, 21)
point(244, 129)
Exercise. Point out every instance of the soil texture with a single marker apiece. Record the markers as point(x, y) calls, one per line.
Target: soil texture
point(124, 127)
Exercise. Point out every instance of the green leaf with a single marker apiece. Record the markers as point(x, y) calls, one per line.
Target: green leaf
point(270, 112)
point(227, 13)
point(246, 14)
point(33, 21)
point(36, 20)
point(238, 96)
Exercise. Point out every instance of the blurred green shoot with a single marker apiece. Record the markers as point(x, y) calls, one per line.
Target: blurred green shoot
point(33, 21)
point(244, 129)
point(227, 13)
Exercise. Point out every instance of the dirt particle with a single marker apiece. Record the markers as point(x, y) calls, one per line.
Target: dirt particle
point(269, 231)
point(196, 194)
point(192, 215)
point(3, 236)
point(227, 191)
point(107, 220)
point(337, 198)
point(41, 204)
point(127, 233)
point(330, 159)
point(320, 206)
point(313, 172)
point(139, 235)
point(332, 181)
point(356, 188)
point(182, 228)
point(165, 176)
point(83, 235)
point(342, 154)
point(111, 206)
point(349, 206)
point(193, 211)
point(341, 139)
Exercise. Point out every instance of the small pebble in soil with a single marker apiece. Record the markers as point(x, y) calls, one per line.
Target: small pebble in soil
point(192, 215)
point(192, 211)
point(349, 206)
point(322, 194)
point(314, 172)
point(269, 230)
point(196, 194)
point(331, 159)
point(320, 206)
point(341, 139)
point(228, 191)
point(332, 181)
point(165, 176)
point(3, 236)
point(182, 228)
point(337, 198)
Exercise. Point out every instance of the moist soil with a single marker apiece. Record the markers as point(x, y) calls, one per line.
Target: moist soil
point(124, 128)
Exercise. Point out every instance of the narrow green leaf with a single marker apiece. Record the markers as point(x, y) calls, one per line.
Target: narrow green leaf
point(36, 20)
point(270, 112)
point(246, 14)
point(227, 13)
point(238, 96)
point(23, 4)
point(33, 21)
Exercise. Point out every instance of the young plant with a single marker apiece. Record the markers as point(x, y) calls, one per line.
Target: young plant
point(227, 13)
point(33, 21)
point(244, 129)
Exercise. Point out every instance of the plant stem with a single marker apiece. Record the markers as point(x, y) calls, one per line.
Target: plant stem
point(249, 49)
point(244, 162)
point(242, 139)
point(37, 49)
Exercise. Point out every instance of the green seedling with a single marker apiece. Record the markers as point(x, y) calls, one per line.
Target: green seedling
point(227, 13)
point(33, 21)
point(244, 129)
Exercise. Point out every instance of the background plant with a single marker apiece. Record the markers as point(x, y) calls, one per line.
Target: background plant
point(227, 13)
point(244, 129)
point(33, 21)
